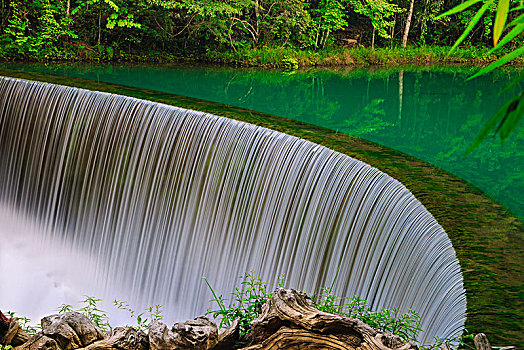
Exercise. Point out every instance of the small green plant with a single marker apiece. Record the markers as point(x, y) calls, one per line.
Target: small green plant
point(25, 323)
point(5, 347)
point(154, 312)
point(245, 304)
point(406, 325)
point(91, 310)
point(65, 308)
point(462, 341)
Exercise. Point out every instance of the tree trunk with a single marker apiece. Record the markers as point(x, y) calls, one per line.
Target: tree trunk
point(68, 8)
point(257, 22)
point(393, 28)
point(408, 23)
point(99, 20)
point(400, 95)
point(373, 39)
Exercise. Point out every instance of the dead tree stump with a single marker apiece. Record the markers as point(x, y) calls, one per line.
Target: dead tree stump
point(10, 331)
point(289, 322)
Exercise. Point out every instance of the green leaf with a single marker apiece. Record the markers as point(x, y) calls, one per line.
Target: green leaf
point(508, 37)
point(512, 117)
point(458, 8)
point(500, 20)
point(518, 20)
point(501, 115)
point(514, 83)
point(503, 60)
point(472, 24)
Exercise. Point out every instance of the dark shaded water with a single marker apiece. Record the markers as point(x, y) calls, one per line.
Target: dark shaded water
point(432, 115)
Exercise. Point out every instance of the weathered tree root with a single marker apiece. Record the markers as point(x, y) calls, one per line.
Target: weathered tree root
point(10, 331)
point(289, 322)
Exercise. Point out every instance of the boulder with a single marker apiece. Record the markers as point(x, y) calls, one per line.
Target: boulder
point(39, 342)
point(198, 334)
point(71, 330)
point(120, 338)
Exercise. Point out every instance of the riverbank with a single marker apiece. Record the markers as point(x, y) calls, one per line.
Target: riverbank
point(278, 57)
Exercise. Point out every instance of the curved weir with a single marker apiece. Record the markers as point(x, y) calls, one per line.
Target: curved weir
point(160, 197)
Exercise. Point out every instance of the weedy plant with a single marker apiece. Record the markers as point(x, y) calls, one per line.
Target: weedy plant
point(245, 304)
point(98, 316)
point(25, 323)
point(462, 341)
point(406, 325)
point(154, 312)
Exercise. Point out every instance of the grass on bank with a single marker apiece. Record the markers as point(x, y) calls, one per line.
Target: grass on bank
point(273, 57)
point(278, 57)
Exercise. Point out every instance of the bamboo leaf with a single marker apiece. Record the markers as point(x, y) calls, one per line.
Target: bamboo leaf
point(458, 8)
point(500, 20)
point(518, 20)
point(503, 60)
point(508, 37)
point(491, 123)
point(512, 118)
point(513, 83)
point(471, 24)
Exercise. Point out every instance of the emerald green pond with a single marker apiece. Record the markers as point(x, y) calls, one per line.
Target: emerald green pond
point(433, 115)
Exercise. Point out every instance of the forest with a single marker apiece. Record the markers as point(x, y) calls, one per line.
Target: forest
point(215, 31)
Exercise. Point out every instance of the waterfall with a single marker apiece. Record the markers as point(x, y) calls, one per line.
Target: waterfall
point(159, 197)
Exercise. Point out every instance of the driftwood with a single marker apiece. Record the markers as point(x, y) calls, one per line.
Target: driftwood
point(481, 342)
point(39, 342)
point(289, 322)
point(4, 325)
point(10, 331)
point(228, 338)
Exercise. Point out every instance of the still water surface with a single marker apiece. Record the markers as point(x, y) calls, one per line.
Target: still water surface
point(433, 115)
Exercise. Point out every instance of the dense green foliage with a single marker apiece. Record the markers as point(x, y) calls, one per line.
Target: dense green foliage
point(247, 299)
point(167, 29)
point(508, 116)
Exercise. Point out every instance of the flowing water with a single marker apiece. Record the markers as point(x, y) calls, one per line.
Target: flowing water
point(156, 198)
point(432, 114)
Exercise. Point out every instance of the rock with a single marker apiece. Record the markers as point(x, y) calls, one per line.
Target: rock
point(71, 330)
point(39, 342)
point(289, 322)
point(481, 342)
point(127, 338)
point(198, 334)
point(229, 337)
